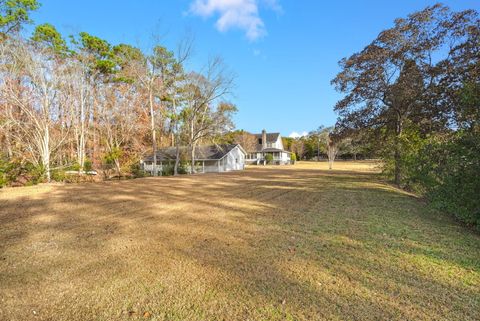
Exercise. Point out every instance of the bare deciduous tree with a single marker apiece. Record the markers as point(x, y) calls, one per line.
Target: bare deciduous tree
point(202, 119)
point(34, 72)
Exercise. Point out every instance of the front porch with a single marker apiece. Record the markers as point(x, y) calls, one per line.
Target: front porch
point(278, 158)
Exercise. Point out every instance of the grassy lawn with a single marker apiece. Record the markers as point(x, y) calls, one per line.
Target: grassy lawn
point(270, 243)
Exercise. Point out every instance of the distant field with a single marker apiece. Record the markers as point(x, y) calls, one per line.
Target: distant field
point(269, 243)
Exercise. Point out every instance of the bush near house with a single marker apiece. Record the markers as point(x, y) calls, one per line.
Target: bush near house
point(269, 158)
point(293, 158)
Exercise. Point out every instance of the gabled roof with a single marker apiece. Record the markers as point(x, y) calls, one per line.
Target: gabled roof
point(202, 153)
point(271, 137)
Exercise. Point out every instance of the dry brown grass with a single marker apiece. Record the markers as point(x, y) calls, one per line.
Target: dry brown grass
point(269, 243)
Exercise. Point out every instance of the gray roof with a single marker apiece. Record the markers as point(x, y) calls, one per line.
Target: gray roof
point(271, 137)
point(206, 152)
point(275, 150)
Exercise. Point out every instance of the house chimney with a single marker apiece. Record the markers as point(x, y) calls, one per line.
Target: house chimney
point(264, 139)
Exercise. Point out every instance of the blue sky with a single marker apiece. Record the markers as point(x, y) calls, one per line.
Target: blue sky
point(283, 52)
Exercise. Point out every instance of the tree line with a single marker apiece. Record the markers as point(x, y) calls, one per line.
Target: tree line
point(83, 104)
point(318, 143)
point(413, 94)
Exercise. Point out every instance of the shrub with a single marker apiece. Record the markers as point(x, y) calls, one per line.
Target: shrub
point(411, 142)
point(269, 158)
point(293, 158)
point(74, 167)
point(447, 173)
point(3, 172)
point(58, 175)
point(183, 168)
point(167, 170)
point(137, 170)
point(20, 173)
point(110, 157)
point(87, 165)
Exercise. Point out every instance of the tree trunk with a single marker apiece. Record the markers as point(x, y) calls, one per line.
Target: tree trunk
point(398, 153)
point(46, 153)
point(192, 148)
point(192, 158)
point(332, 151)
point(117, 167)
point(81, 138)
point(176, 140)
point(154, 135)
point(397, 169)
point(8, 143)
point(177, 161)
point(318, 150)
point(7, 134)
point(94, 128)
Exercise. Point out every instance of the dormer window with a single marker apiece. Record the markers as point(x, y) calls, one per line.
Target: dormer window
point(259, 141)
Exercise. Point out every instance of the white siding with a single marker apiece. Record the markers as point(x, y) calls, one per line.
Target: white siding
point(210, 167)
point(285, 158)
point(233, 161)
point(149, 167)
point(279, 143)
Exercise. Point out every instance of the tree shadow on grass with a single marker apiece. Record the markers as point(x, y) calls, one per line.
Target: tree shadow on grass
point(270, 244)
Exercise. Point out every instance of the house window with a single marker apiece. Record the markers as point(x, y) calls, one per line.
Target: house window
point(259, 141)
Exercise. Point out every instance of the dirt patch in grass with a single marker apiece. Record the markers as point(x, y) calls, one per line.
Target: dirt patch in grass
point(269, 243)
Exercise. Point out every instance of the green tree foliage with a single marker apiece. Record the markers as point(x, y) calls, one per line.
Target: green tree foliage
point(446, 170)
point(127, 58)
point(394, 82)
point(446, 167)
point(100, 52)
point(47, 35)
point(287, 143)
point(19, 172)
point(468, 111)
point(414, 93)
point(15, 13)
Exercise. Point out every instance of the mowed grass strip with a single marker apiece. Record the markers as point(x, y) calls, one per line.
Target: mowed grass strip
point(270, 243)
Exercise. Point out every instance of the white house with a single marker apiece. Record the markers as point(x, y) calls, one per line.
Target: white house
point(209, 159)
point(268, 143)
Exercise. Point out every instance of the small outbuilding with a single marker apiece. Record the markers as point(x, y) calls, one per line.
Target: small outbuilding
point(208, 158)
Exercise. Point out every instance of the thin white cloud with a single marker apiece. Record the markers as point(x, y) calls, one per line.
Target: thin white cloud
point(239, 14)
point(297, 135)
